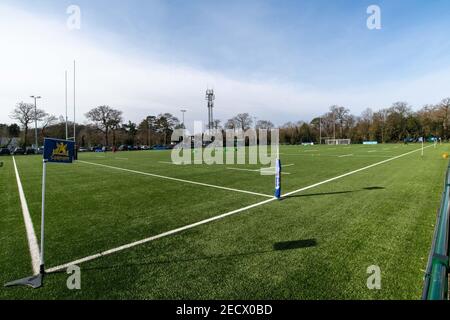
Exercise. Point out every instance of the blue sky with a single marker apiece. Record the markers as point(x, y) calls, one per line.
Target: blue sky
point(315, 48)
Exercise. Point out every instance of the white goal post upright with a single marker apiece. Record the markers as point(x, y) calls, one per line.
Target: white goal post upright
point(338, 141)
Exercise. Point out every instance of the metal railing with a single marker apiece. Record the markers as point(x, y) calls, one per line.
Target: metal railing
point(436, 277)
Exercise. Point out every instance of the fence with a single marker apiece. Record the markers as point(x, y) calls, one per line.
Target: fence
point(436, 277)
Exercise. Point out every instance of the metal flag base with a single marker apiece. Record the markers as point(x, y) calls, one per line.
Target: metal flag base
point(33, 282)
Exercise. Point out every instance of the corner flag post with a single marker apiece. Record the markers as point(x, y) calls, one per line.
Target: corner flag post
point(57, 151)
point(278, 175)
point(44, 173)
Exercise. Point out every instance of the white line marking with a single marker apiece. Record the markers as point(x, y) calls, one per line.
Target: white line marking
point(31, 235)
point(352, 172)
point(372, 151)
point(312, 150)
point(167, 162)
point(165, 234)
point(176, 179)
point(346, 155)
point(334, 155)
point(190, 226)
point(121, 158)
point(266, 170)
point(241, 169)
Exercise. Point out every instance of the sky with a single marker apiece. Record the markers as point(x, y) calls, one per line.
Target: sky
point(278, 60)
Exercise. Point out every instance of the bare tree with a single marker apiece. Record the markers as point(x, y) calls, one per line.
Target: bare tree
point(231, 124)
point(217, 124)
point(264, 124)
point(25, 114)
point(243, 121)
point(104, 118)
point(444, 107)
point(114, 123)
point(340, 115)
point(47, 121)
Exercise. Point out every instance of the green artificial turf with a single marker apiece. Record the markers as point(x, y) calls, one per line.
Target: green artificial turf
point(316, 244)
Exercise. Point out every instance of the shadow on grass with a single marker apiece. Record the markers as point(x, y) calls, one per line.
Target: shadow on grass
point(278, 246)
point(333, 193)
point(292, 245)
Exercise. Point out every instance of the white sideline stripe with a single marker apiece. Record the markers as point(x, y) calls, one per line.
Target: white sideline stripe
point(190, 226)
point(31, 235)
point(346, 155)
point(176, 179)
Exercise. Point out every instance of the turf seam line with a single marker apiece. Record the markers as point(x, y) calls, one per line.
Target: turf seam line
point(31, 235)
point(190, 226)
point(178, 180)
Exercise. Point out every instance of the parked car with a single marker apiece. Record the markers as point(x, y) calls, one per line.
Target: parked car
point(40, 150)
point(17, 151)
point(29, 151)
point(5, 152)
point(159, 147)
point(83, 150)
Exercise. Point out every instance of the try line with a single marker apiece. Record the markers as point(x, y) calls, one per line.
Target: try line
point(224, 215)
point(176, 179)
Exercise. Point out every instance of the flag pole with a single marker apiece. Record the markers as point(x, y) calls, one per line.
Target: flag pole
point(44, 173)
point(74, 100)
point(67, 125)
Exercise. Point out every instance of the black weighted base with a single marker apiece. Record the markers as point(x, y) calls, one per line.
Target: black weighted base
point(33, 282)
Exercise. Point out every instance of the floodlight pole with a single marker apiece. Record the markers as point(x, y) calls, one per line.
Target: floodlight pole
point(334, 127)
point(320, 130)
point(35, 120)
point(67, 128)
point(183, 112)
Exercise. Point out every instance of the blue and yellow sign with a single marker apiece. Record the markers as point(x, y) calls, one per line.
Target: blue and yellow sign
point(59, 151)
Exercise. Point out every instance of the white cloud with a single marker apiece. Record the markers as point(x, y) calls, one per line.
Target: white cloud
point(36, 52)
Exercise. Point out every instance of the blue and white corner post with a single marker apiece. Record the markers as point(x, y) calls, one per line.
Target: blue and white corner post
point(55, 151)
point(278, 174)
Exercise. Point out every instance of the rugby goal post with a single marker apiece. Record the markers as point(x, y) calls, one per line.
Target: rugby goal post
point(338, 141)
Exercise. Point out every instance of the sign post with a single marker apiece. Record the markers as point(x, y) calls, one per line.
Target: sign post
point(55, 151)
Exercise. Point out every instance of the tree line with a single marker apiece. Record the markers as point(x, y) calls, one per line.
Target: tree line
point(107, 127)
